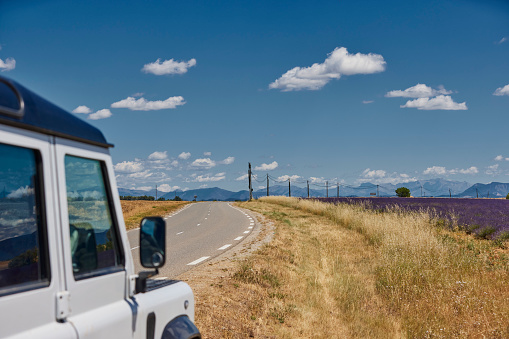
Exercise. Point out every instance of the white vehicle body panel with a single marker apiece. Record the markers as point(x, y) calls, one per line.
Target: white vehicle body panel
point(102, 306)
point(33, 312)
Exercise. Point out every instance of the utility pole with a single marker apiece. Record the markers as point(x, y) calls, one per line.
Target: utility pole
point(377, 192)
point(488, 194)
point(338, 190)
point(421, 191)
point(289, 188)
point(156, 192)
point(450, 194)
point(267, 184)
point(327, 188)
point(308, 187)
point(250, 189)
point(477, 192)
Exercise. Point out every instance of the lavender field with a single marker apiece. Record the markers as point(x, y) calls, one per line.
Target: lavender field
point(486, 218)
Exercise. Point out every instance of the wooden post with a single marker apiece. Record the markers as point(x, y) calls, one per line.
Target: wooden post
point(267, 184)
point(250, 189)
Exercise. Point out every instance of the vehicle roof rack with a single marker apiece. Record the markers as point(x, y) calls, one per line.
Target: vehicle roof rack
point(20, 107)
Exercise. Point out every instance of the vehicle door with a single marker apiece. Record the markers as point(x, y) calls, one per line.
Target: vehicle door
point(30, 254)
point(94, 256)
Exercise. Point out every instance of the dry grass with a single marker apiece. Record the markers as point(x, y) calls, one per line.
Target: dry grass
point(438, 284)
point(345, 272)
point(135, 210)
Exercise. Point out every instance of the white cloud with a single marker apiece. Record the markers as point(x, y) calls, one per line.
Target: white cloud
point(337, 63)
point(499, 158)
point(167, 188)
point(207, 154)
point(158, 156)
point(502, 91)
point(168, 67)
point(141, 175)
point(205, 163)
point(184, 155)
point(417, 91)
point(370, 174)
point(129, 167)
point(383, 177)
point(267, 167)
point(144, 188)
point(228, 161)
point(471, 170)
point(435, 170)
point(242, 177)
point(492, 170)
point(322, 180)
point(174, 163)
point(208, 178)
point(144, 105)
point(440, 170)
point(138, 94)
point(101, 114)
point(8, 65)
point(504, 39)
point(82, 109)
point(367, 101)
point(441, 102)
point(245, 176)
point(20, 192)
point(288, 177)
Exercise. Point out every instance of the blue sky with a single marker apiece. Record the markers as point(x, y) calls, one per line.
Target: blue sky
point(349, 91)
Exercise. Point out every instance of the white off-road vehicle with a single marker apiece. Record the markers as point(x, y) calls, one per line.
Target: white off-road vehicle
point(66, 269)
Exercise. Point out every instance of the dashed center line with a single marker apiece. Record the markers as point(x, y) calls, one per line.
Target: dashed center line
point(246, 232)
point(198, 225)
point(179, 233)
point(197, 261)
point(135, 248)
point(250, 227)
point(238, 238)
point(224, 247)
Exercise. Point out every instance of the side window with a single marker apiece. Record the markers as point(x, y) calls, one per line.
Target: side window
point(23, 245)
point(94, 240)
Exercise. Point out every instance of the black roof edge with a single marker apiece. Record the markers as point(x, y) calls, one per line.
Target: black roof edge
point(39, 115)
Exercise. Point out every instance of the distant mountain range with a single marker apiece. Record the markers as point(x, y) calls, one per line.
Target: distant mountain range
point(430, 188)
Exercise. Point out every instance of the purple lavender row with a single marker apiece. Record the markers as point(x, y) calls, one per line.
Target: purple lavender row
point(487, 218)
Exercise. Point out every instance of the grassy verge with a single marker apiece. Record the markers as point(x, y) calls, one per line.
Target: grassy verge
point(342, 271)
point(135, 210)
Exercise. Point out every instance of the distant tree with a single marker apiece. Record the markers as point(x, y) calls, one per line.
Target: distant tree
point(161, 199)
point(403, 192)
point(507, 196)
point(177, 198)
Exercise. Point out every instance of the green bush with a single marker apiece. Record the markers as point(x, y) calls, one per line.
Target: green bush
point(403, 192)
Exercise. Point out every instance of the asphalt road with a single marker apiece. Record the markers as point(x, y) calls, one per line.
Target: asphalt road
point(196, 234)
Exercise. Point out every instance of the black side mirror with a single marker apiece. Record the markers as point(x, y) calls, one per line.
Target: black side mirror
point(152, 242)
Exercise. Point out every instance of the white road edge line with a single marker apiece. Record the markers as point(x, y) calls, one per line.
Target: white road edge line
point(197, 261)
point(224, 247)
point(161, 278)
point(250, 227)
point(179, 233)
point(238, 238)
point(246, 232)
